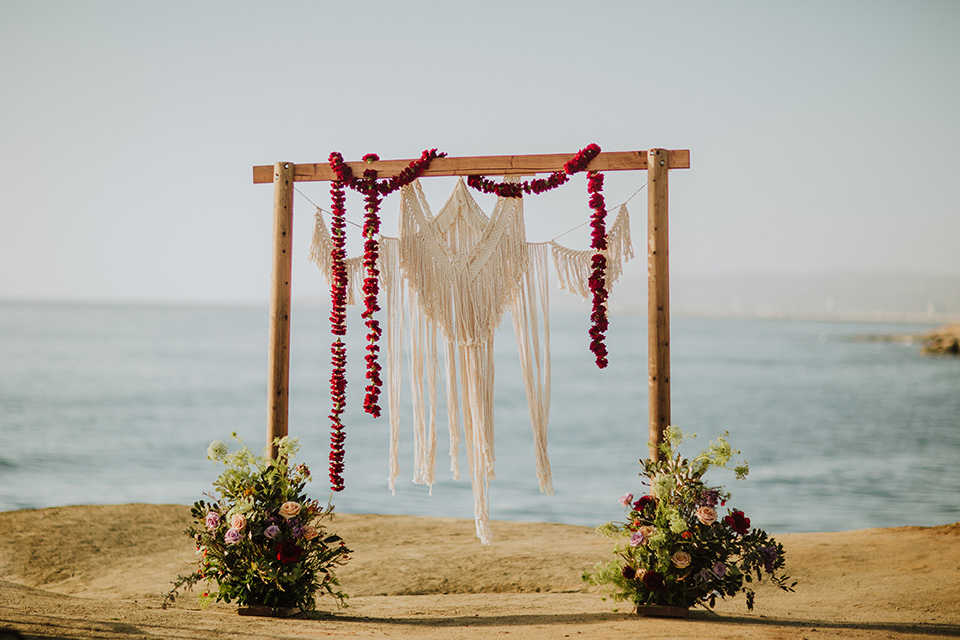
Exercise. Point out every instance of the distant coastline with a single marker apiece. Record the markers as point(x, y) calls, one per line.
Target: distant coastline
point(827, 296)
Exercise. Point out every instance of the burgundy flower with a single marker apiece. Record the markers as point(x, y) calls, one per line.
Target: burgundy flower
point(597, 280)
point(629, 573)
point(738, 522)
point(654, 581)
point(288, 552)
point(643, 502)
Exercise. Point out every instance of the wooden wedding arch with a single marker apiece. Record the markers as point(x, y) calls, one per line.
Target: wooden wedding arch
point(656, 162)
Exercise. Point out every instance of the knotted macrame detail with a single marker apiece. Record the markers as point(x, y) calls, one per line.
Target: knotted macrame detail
point(574, 266)
point(446, 282)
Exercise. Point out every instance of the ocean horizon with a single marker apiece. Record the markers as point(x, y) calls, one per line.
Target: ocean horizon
point(108, 403)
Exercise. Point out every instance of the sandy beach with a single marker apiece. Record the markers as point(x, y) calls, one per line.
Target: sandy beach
point(100, 572)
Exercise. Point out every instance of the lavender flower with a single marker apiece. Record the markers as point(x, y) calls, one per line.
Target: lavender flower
point(636, 539)
point(769, 556)
point(719, 569)
point(272, 531)
point(296, 527)
point(232, 536)
point(710, 498)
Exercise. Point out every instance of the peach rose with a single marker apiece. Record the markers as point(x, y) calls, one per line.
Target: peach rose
point(681, 559)
point(707, 515)
point(310, 532)
point(238, 522)
point(289, 509)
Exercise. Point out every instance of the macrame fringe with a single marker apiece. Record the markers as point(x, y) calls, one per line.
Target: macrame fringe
point(574, 267)
point(320, 249)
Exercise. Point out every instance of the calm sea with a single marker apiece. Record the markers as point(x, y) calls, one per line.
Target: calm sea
point(108, 404)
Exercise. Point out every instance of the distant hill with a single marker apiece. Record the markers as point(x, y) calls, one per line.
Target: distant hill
point(847, 296)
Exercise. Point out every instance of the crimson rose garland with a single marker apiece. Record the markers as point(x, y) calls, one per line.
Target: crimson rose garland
point(373, 190)
point(597, 279)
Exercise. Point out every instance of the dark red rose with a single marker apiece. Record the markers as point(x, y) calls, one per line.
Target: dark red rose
point(288, 552)
point(629, 573)
point(642, 503)
point(738, 522)
point(654, 581)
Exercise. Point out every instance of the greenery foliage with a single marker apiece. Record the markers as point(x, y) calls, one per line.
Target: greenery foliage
point(675, 549)
point(259, 539)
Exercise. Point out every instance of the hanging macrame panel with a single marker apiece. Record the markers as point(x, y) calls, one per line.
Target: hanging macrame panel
point(446, 283)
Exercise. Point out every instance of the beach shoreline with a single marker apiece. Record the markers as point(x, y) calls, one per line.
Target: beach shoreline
point(101, 571)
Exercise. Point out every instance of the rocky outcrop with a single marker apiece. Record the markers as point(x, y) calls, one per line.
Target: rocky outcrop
point(943, 341)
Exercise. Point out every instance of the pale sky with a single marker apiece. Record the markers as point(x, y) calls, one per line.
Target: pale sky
point(823, 135)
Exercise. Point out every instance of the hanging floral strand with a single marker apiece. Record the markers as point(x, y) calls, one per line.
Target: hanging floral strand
point(338, 322)
point(576, 164)
point(597, 281)
point(371, 287)
point(374, 190)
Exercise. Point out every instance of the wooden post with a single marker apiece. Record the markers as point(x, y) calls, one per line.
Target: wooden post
point(658, 297)
point(279, 364)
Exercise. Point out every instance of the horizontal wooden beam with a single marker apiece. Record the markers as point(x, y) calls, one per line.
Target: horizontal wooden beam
point(481, 165)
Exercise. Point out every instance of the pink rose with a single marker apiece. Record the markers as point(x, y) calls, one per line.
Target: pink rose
point(626, 499)
point(289, 509)
point(212, 520)
point(238, 522)
point(707, 515)
point(681, 559)
point(232, 536)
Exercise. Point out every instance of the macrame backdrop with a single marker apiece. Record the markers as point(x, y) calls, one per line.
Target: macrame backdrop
point(450, 278)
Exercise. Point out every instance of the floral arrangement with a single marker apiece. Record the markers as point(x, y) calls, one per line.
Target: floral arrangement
point(675, 549)
point(260, 539)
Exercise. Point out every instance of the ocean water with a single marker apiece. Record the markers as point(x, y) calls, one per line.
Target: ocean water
point(110, 404)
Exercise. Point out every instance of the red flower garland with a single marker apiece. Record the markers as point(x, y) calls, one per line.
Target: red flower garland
point(373, 190)
point(597, 279)
point(371, 287)
point(576, 164)
point(338, 321)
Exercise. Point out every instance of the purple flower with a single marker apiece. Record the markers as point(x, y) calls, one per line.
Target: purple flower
point(710, 497)
point(212, 520)
point(296, 527)
point(272, 531)
point(719, 569)
point(705, 575)
point(769, 556)
point(232, 536)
